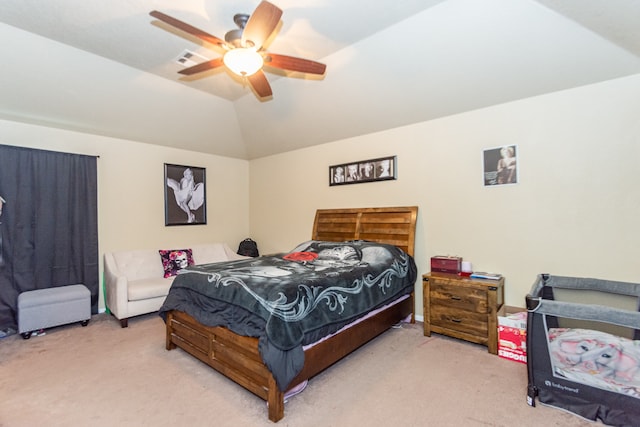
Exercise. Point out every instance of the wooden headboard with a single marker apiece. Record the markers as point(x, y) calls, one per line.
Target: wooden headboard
point(395, 226)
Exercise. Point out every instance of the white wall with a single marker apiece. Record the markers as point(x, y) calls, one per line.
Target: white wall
point(131, 189)
point(574, 211)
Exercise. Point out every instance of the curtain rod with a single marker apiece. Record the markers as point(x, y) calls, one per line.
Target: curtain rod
point(50, 151)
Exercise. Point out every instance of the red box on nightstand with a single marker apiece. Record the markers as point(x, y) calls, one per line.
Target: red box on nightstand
point(512, 337)
point(446, 264)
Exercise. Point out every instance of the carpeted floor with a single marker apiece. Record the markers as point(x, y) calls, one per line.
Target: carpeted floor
point(103, 375)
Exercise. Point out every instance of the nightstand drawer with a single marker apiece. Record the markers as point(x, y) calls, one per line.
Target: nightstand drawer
point(459, 297)
point(458, 320)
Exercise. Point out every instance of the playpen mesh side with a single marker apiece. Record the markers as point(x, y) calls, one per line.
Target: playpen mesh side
point(546, 311)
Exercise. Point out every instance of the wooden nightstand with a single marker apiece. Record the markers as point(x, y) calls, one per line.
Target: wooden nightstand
point(463, 308)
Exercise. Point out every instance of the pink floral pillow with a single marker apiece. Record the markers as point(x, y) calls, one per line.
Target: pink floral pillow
point(174, 260)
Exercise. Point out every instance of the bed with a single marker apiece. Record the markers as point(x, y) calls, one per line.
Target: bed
point(583, 344)
point(266, 355)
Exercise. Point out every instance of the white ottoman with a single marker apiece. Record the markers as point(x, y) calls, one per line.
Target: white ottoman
point(45, 308)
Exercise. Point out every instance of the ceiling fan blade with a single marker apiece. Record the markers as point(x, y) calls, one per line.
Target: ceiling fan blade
point(187, 28)
point(291, 63)
point(260, 25)
point(260, 84)
point(204, 66)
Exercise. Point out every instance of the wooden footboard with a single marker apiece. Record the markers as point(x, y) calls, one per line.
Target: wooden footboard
point(237, 357)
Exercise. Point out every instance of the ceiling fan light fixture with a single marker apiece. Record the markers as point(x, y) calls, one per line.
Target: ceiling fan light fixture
point(245, 55)
point(242, 61)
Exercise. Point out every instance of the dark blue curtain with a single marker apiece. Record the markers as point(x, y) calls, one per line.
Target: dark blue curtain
point(48, 225)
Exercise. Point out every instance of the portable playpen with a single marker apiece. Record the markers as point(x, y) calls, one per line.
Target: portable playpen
point(583, 347)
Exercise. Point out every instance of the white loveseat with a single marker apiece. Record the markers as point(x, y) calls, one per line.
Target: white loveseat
point(134, 280)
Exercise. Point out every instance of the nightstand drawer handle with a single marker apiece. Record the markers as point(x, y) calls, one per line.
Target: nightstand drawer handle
point(456, 298)
point(453, 319)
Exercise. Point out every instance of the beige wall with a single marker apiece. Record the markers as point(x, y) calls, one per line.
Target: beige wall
point(131, 189)
point(574, 212)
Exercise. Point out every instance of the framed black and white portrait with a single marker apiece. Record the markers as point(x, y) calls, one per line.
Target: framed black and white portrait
point(185, 201)
point(500, 165)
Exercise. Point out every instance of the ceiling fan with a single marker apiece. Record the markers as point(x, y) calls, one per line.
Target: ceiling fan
point(244, 53)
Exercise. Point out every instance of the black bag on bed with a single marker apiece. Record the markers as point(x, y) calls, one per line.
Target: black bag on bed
point(248, 247)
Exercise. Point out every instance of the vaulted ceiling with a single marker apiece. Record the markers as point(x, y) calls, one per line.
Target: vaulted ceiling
point(108, 68)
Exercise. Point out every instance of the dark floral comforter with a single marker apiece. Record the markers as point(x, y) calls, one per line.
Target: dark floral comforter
point(288, 300)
